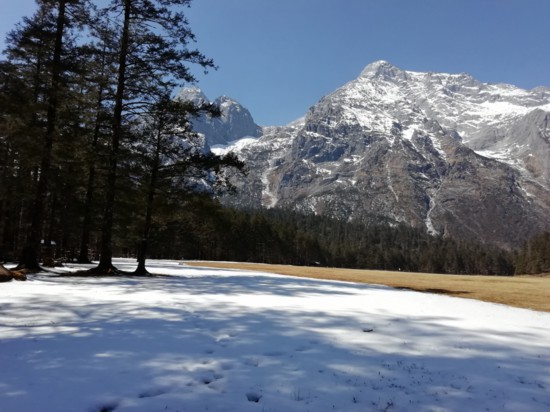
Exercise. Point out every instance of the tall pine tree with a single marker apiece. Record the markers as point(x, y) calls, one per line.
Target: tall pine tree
point(37, 49)
point(153, 55)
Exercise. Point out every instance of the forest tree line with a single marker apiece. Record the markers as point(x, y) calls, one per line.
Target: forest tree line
point(91, 139)
point(206, 230)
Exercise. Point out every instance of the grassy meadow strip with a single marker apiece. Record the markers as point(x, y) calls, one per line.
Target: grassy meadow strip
point(530, 292)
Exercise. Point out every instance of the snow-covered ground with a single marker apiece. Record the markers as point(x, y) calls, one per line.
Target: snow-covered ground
point(221, 340)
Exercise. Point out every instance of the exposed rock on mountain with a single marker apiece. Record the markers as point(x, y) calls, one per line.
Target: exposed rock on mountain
point(234, 123)
point(440, 151)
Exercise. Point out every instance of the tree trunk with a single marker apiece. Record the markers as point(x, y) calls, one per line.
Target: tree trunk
point(106, 258)
point(3, 198)
point(144, 244)
point(143, 249)
point(141, 270)
point(87, 222)
point(3, 208)
point(29, 258)
point(47, 247)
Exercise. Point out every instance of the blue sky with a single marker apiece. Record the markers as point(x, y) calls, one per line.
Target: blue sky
point(278, 57)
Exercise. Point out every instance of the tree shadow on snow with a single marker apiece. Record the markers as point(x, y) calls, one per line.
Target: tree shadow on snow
point(189, 342)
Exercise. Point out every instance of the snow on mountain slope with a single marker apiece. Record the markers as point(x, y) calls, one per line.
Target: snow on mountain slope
point(488, 117)
point(264, 156)
point(235, 121)
point(440, 151)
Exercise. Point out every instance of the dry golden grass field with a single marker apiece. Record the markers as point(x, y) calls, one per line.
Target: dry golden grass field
point(532, 292)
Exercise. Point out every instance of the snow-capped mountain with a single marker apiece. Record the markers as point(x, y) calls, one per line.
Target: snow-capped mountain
point(234, 123)
point(434, 150)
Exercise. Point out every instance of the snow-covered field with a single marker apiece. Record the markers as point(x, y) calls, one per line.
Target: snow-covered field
point(221, 340)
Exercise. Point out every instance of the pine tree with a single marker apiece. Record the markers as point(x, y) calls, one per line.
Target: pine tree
point(168, 151)
point(534, 256)
point(152, 56)
point(37, 49)
point(100, 70)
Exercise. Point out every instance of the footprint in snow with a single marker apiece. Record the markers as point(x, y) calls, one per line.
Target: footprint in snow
point(252, 362)
point(253, 397)
point(108, 407)
point(151, 393)
point(207, 379)
point(227, 366)
point(274, 353)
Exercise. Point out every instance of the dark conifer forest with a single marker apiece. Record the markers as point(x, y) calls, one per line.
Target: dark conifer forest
point(98, 160)
point(90, 138)
point(206, 230)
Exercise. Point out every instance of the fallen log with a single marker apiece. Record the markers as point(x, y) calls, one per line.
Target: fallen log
point(6, 275)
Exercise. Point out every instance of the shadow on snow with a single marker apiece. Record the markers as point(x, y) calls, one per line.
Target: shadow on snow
point(189, 340)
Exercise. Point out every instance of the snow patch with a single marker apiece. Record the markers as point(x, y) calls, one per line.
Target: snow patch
point(234, 146)
point(428, 221)
point(408, 133)
point(220, 340)
point(390, 182)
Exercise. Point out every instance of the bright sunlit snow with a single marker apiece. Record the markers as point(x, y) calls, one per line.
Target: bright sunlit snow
point(221, 150)
point(219, 340)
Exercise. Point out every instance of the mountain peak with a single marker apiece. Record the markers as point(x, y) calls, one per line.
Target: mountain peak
point(381, 68)
point(226, 100)
point(234, 123)
point(192, 94)
point(426, 149)
point(378, 63)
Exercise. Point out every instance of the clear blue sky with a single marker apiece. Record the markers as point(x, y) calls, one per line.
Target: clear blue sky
point(278, 57)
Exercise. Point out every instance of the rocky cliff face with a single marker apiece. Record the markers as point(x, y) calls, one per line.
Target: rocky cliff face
point(437, 151)
point(234, 123)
